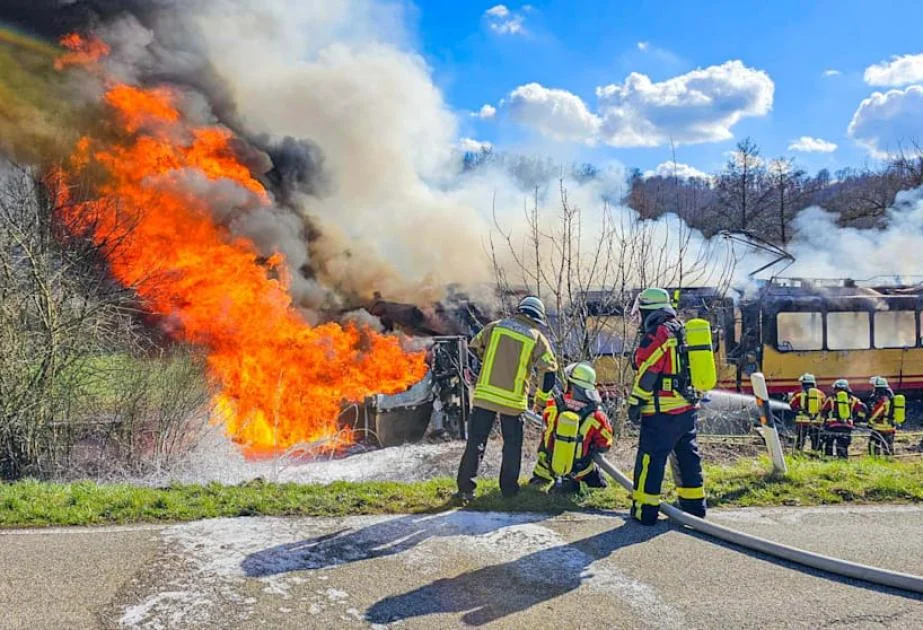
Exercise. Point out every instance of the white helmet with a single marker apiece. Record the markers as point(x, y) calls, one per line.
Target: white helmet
point(878, 382)
point(532, 307)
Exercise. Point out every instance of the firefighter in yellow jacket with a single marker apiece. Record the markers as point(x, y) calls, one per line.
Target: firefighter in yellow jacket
point(576, 429)
point(886, 413)
point(510, 351)
point(807, 404)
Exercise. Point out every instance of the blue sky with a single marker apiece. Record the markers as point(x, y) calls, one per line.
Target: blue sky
point(481, 52)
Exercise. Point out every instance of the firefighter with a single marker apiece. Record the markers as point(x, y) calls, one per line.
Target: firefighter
point(885, 415)
point(807, 403)
point(510, 350)
point(662, 400)
point(575, 430)
point(841, 410)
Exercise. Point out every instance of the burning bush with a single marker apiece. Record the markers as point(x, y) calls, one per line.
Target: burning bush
point(158, 179)
point(74, 358)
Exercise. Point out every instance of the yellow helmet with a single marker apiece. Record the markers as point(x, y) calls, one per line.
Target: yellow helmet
point(582, 376)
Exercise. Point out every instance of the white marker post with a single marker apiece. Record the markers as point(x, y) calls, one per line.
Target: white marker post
point(767, 426)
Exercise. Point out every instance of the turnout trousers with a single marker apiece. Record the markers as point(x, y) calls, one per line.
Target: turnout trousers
point(814, 435)
point(480, 424)
point(667, 437)
point(881, 443)
point(802, 432)
point(837, 441)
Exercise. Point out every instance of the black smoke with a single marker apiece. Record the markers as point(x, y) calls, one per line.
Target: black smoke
point(153, 43)
point(174, 55)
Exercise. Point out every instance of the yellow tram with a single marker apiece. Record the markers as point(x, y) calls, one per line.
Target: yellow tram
point(785, 327)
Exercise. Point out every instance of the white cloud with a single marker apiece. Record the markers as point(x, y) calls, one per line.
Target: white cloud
point(887, 121)
point(700, 106)
point(486, 112)
point(557, 114)
point(740, 159)
point(470, 145)
point(832, 72)
point(900, 70)
point(505, 22)
point(682, 171)
point(807, 144)
point(642, 46)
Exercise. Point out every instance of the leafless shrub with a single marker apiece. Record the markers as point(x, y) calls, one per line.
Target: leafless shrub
point(588, 273)
point(75, 366)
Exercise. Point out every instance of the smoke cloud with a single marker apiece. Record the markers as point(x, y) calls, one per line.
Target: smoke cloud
point(341, 118)
point(823, 249)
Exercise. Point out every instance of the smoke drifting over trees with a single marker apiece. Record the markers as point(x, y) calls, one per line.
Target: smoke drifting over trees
point(341, 119)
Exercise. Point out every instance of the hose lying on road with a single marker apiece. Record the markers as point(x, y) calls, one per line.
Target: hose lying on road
point(894, 579)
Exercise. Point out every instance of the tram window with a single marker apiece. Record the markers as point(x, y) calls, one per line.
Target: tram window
point(800, 331)
point(848, 331)
point(609, 334)
point(895, 329)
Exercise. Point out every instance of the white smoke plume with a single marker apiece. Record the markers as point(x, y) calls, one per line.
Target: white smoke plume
point(370, 190)
point(894, 252)
point(392, 211)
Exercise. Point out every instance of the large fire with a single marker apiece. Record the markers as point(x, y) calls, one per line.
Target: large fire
point(281, 382)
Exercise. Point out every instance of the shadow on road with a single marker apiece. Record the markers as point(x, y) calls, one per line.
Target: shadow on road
point(493, 592)
point(385, 538)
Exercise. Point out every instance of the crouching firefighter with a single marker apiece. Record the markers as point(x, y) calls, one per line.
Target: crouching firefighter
point(674, 363)
point(575, 430)
point(807, 403)
point(886, 414)
point(840, 412)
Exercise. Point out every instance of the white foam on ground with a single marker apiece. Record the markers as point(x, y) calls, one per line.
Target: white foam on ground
point(217, 459)
point(218, 555)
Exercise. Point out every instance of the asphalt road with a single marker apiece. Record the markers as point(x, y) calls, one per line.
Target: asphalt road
point(457, 569)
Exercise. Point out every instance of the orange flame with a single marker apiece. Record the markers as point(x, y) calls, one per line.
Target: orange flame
point(83, 51)
point(281, 382)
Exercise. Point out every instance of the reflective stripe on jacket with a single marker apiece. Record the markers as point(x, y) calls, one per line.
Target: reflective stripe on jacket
point(657, 362)
point(510, 349)
point(800, 404)
point(834, 418)
point(595, 435)
point(880, 417)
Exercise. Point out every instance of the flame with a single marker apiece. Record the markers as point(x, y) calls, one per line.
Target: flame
point(281, 382)
point(83, 51)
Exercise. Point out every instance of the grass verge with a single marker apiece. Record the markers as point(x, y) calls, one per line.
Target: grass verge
point(809, 482)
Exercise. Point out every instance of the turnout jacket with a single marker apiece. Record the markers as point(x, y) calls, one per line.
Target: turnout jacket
point(880, 415)
point(833, 418)
point(658, 383)
point(510, 350)
point(595, 435)
point(800, 404)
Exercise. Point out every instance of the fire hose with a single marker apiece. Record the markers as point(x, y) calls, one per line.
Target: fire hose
point(837, 566)
point(874, 575)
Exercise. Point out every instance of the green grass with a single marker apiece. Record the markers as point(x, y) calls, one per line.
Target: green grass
point(34, 106)
point(810, 482)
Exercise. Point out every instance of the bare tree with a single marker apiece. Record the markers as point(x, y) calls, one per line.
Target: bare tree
point(68, 334)
point(742, 189)
point(588, 271)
